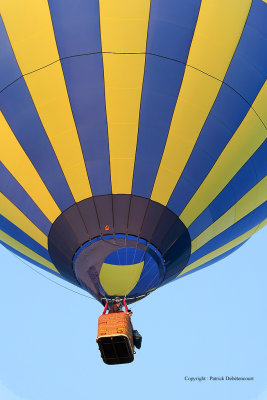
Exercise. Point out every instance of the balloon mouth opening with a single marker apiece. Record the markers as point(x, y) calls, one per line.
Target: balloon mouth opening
point(125, 266)
point(84, 239)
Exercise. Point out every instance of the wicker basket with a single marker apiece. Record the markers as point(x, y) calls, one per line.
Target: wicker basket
point(115, 338)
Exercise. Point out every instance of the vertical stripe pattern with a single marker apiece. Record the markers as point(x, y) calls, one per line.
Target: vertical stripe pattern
point(112, 109)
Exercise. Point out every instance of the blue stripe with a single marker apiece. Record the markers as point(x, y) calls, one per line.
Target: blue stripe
point(77, 31)
point(247, 177)
point(214, 260)
point(171, 28)
point(245, 224)
point(84, 80)
point(8, 65)
point(149, 278)
point(158, 102)
point(245, 75)
point(17, 195)
point(170, 32)
point(30, 260)
point(17, 234)
point(76, 26)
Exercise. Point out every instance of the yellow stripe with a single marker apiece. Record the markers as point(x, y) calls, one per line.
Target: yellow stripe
point(14, 215)
point(251, 200)
point(124, 26)
point(247, 139)
point(218, 29)
point(16, 161)
point(120, 279)
point(223, 249)
point(31, 34)
point(26, 251)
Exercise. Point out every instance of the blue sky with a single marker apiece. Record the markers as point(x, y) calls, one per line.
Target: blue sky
point(211, 323)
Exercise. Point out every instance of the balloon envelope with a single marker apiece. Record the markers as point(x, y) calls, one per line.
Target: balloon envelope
point(133, 137)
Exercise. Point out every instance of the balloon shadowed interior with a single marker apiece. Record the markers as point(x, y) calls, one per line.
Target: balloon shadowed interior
point(119, 245)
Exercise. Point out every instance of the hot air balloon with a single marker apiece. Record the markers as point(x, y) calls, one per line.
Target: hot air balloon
point(133, 137)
